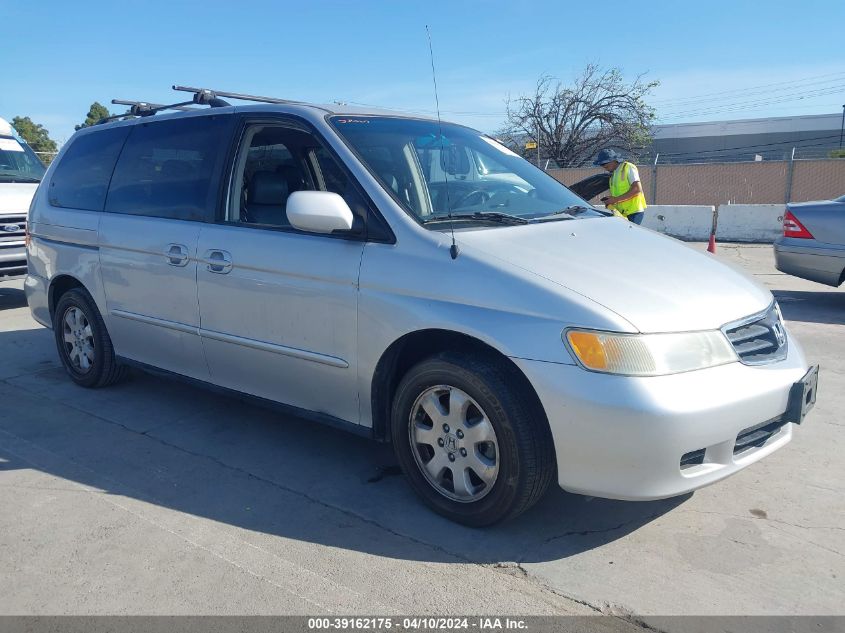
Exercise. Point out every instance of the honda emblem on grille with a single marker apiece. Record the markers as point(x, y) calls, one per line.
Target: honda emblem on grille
point(11, 228)
point(779, 334)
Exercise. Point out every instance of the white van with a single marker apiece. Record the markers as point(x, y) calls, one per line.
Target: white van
point(20, 173)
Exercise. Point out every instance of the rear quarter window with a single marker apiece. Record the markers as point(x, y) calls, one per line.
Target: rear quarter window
point(81, 178)
point(169, 169)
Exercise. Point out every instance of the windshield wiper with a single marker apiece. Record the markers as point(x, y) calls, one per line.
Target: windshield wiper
point(568, 210)
point(567, 213)
point(483, 216)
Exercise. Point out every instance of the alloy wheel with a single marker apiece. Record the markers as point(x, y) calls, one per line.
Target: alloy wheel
point(454, 444)
point(78, 339)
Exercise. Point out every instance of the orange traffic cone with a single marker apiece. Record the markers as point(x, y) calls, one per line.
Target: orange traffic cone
point(711, 245)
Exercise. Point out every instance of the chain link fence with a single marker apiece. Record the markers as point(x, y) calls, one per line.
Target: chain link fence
point(798, 179)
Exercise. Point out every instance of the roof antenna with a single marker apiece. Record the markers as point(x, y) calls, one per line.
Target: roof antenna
point(453, 249)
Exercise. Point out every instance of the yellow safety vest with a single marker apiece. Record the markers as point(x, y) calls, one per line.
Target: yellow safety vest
point(619, 186)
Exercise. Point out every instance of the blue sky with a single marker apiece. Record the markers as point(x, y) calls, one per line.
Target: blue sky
point(715, 60)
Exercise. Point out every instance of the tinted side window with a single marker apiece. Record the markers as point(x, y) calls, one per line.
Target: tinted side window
point(168, 169)
point(81, 179)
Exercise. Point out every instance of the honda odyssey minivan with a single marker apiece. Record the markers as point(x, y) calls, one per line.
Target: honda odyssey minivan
point(417, 283)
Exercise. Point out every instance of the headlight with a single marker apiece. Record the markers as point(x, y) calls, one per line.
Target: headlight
point(649, 354)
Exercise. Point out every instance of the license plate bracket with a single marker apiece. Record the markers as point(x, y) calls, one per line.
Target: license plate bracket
point(802, 396)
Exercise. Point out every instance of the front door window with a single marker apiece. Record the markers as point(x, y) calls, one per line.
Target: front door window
point(276, 161)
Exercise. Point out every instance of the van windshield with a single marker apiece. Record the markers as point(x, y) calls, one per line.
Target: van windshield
point(459, 171)
point(18, 163)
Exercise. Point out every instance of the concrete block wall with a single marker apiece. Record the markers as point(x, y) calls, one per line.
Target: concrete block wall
point(750, 222)
point(687, 222)
point(737, 222)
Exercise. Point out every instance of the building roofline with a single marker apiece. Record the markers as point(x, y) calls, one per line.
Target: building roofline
point(798, 123)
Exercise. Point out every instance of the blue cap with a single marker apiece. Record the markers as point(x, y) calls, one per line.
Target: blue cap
point(607, 156)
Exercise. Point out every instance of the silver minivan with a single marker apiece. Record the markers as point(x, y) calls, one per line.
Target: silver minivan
point(417, 283)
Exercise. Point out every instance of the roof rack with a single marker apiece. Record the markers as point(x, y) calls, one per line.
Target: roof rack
point(205, 93)
point(141, 108)
point(201, 96)
point(145, 108)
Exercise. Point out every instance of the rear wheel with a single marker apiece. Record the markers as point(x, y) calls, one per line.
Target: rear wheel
point(473, 444)
point(84, 345)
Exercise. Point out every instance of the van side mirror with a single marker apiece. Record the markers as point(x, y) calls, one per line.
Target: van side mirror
point(318, 212)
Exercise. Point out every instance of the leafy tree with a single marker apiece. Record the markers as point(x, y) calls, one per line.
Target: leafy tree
point(572, 122)
point(36, 136)
point(96, 112)
point(837, 153)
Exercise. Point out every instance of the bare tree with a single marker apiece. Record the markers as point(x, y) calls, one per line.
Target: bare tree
point(571, 123)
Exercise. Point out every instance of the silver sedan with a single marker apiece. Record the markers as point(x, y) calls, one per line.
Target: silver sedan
point(813, 242)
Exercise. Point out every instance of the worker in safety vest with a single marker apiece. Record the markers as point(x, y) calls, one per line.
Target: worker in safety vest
point(626, 192)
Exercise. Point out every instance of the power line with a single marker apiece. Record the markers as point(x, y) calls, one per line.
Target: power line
point(745, 105)
point(720, 103)
point(783, 95)
point(674, 104)
point(674, 113)
point(786, 109)
point(740, 91)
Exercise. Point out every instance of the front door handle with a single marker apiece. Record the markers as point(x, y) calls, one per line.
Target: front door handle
point(177, 255)
point(217, 261)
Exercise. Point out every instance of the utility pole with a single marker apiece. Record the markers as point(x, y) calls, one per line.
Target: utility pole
point(790, 172)
point(538, 138)
point(842, 127)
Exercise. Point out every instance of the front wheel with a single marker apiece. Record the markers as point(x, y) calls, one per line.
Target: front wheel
point(472, 442)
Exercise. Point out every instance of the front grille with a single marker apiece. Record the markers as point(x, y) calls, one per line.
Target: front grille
point(756, 436)
point(759, 340)
point(12, 230)
point(12, 269)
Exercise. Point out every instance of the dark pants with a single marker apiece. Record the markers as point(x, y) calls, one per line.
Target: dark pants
point(636, 218)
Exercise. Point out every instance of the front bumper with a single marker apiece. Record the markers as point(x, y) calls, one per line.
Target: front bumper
point(624, 437)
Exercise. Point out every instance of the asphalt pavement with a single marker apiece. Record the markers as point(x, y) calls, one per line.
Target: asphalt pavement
point(154, 497)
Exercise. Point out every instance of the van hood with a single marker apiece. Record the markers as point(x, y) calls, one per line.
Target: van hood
point(656, 283)
point(16, 196)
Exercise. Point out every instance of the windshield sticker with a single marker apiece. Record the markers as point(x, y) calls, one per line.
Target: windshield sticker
point(499, 146)
point(10, 145)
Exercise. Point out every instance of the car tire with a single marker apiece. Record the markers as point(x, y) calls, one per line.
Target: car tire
point(83, 342)
point(471, 438)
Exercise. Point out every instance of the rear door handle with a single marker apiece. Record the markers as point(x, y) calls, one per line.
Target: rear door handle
point(177, 254)
point(217, 261)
